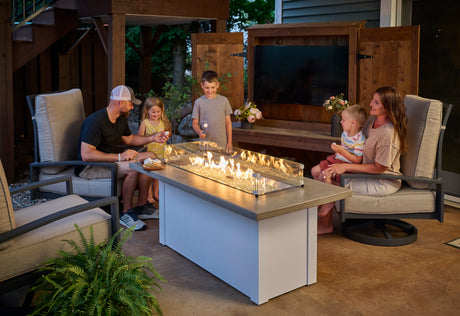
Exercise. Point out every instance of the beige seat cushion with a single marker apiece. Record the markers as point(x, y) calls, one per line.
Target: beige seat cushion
point(59, 117)
point(423, 128)
point(7, 221)
point(407, 200)
point(43, 243)
point(81, 186)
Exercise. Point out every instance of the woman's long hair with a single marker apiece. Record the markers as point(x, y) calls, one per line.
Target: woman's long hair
point(396, 112)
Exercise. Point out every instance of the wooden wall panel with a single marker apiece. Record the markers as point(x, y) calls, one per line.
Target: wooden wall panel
point(395, 60)
point(86, 72)
point(6, 88)
point(213, 51)
point(74, 69)
point(64, 72)
point(46, 71)
point(100, 86)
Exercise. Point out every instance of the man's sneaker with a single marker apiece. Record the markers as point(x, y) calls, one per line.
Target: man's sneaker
point(130, 219)
point(146, 211)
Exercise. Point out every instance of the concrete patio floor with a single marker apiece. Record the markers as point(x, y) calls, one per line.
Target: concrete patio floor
point(353, 278)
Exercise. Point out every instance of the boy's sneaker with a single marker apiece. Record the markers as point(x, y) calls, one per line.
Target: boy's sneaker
point(146, 211)
point(130, 219)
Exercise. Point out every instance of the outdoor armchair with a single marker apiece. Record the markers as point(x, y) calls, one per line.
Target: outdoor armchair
point(31, 235)
point(57, 119)
point(376, 220)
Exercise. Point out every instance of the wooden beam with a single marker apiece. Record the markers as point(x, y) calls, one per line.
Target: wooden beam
point(116, 48)
point(133, 46)
point(6, 92)
point(180, 8)
point(102, 32)
point(80, 39)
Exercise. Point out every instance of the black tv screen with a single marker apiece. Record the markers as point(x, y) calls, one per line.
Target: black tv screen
point(300, 74)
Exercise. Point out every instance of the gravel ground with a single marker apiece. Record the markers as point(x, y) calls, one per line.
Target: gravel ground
point(23, 199)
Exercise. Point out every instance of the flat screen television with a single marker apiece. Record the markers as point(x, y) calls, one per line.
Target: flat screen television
point(299, 74)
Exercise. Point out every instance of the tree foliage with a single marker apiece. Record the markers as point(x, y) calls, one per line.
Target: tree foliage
point(245, 13)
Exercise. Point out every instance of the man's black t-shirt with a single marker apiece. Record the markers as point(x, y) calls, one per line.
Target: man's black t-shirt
point(97, 130)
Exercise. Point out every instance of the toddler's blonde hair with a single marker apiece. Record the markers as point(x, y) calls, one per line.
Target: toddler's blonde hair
point(357, 113)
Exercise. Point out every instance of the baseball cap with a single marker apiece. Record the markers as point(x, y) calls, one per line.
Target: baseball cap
point(124, 93)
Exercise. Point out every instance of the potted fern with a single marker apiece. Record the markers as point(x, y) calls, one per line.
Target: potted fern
point(97, 279)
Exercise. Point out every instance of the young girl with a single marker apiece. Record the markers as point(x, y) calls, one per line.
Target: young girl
point(154, 121)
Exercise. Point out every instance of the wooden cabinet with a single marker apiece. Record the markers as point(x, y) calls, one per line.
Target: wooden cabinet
point(376, 57)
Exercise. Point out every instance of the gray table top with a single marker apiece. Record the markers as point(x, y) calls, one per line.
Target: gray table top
point(313, 193)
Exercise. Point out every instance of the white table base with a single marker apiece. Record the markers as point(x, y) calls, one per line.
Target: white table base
point(262, 259)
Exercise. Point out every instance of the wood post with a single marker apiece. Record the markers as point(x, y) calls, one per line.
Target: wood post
point(116, 50)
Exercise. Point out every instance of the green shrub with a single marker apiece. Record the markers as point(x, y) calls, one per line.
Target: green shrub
point(97, 279)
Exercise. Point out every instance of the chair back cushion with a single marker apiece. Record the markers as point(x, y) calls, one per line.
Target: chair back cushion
point(423, 128)
point(59, 117)
point(7, 221)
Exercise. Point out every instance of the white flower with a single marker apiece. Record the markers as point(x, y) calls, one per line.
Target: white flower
point(258, 115)
point(253, 110)
point(251, 118)
point(237, 112)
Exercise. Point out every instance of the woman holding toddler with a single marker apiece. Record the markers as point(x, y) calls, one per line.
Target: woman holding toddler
point(385, 132)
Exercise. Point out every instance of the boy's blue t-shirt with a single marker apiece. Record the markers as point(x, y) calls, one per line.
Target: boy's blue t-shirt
point(213, 111)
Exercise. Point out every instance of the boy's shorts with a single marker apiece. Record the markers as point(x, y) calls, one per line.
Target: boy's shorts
point(330, 160)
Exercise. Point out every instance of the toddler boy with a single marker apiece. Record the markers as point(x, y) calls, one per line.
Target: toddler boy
point(351, 150)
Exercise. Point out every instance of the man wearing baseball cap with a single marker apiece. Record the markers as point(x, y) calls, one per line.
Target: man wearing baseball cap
point(101, 133)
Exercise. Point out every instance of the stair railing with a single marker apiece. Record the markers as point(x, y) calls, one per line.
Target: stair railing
point(24, 11)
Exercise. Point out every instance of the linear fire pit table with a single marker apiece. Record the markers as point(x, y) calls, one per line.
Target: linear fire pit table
point(262, 246)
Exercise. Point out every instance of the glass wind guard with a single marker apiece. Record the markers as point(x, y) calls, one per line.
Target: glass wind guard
point(245, 170)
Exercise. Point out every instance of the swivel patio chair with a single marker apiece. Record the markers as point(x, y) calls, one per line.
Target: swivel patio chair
point(377, 220)
point(57, 119)
point(31, 235)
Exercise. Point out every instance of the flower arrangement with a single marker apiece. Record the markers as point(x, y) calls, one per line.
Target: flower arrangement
point(336, 103)
point(248, 112)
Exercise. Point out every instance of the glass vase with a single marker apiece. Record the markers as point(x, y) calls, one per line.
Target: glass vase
point(246, 125)
point(336, 127)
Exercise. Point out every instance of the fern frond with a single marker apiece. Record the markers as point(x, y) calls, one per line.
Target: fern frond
point(97, 279)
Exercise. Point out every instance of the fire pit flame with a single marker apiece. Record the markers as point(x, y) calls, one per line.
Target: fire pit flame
point(245, 170)
point(225, 167)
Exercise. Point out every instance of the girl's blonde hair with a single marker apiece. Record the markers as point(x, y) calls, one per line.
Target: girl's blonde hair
point(152, 101)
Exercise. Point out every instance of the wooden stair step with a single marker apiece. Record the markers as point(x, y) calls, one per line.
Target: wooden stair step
point(53, 16)
point(32, 39)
